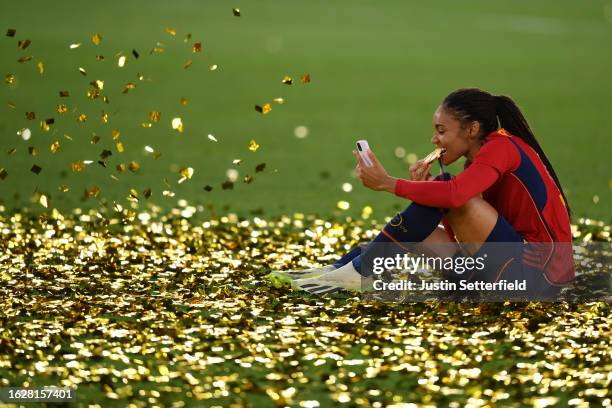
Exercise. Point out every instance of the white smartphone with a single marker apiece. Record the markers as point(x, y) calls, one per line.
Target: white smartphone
point(362, 149)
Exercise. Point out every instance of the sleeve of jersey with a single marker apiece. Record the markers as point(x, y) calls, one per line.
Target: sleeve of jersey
point(493, 160)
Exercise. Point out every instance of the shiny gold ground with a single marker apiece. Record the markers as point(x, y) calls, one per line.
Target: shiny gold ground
point(175, 310)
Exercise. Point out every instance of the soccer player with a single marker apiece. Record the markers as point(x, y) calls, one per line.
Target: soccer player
point(508, 192)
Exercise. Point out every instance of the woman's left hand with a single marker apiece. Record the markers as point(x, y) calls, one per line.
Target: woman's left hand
point(374, 177)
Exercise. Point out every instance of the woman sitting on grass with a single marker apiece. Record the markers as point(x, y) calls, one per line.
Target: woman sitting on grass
point(508, 192)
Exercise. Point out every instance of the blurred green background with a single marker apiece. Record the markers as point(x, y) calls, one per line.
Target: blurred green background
point(378, 72)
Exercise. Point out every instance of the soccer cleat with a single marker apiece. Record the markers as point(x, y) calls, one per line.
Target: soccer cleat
point(316, 286)
point(284, 278)
point(343, 278)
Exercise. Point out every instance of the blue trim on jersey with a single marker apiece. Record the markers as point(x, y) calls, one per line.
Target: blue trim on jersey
point(531, 178)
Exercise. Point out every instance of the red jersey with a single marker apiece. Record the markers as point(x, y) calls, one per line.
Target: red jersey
point(513, 180)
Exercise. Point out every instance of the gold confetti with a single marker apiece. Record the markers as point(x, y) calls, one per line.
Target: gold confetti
point(23, 44)
point(121, 61)
point(36, 169)
point(96, 39)
point(227, 185)
point(67, 137)
point(33, 151)
point(135, 54)
point(3, 173)
point(62, 108)
point(236, 161)
point(128, 86)
point(105, 154)
point(25, 133)
point(98, 84)
point(82, 71)
point(41, 67)
point(186, 174)
point(75, 45)
point(171, 31)
point(187, 37)
point(11, 32)
point(184, 101)
point(100, 58)
point(121, 168)
point(260, 167)
point(82, 118)
point(343, 205)
point(44, 200)
point(187, 64)
point(253, 146)
point(196, 47)
point(248, 179)
point(93, 94)
point(11, 151)
point(63, 188)
point(213, 67)
point(347, 187)
point(55, 146)
point(104, 117)
point(9, 78)
point(305, 79)
point(146, 125)
point(236, 12)
point(212, 137)
point(24, 59)
point(207, 188)
point(595, 199)
point(64, 94)
point(95, 139)
point(119, 146)
point(266, 108)
point(177, 124)
point(11, 104)
point(133, 166)
point(154, 116)
point(30, 115)
point(279, 101)
point(157, 50)
point(78, 167)
point(366, 212)
point(167, 193)
point(115, 134)
point(147, 193)
point(287, 80)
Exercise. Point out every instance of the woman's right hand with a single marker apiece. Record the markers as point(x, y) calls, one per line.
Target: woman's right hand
point(419, 171)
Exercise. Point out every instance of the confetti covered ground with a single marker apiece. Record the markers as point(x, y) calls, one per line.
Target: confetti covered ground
point(173, 309)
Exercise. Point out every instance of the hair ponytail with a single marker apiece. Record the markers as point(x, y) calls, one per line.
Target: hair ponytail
point(473, 104)
point(511, 118)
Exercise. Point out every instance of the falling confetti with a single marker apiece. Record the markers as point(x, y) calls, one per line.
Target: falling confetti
point(96, 39)
point(186, 174)
point(347, 187)
point(232, 174)
point(287, 80)
point(78, 167)
point(300, 132)
point(184, 101)
point(196, 47)
point(279, 101)
point(264, 109)
point(133, 166)
point(30, 115)
point(44, 200)
point(83, 71)
point(9, 78)
point(3, 173)
point(11, 32)
point(343, 205)
point(260, 167)
point(207, 188)
point(305, 79)
point(24, 59)
point(82, 118)
point(135, 54)
point(55, 147)
point(64, 94)
point(23, 44)
point(75, 45)
point(119, 147)
point(25, 133)
point(121, 61)
point(177, 124)
point(247, 179)
point(212, 137)
point(188, 64)
point(213, 67)
point(171, 31)
point(236, 12)
point(41, 68)
point(154, 116)
point(253, 146)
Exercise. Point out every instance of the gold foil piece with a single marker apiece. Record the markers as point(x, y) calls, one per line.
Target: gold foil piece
point(96, 39)
point(78, 167)
point(196, 47)
point(82, 118)
point(41, 67)
point(236, 12)
point(36, 169)
point(253, 146)
point(62, 108)
point(55, 147)
point(154, 116)
point(177, 124)
point(305, 79)
point(134, 166)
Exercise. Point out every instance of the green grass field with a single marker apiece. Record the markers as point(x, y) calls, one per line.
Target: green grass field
point(378, 72)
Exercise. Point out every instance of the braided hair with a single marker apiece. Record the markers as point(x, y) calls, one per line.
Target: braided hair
point(493, 111)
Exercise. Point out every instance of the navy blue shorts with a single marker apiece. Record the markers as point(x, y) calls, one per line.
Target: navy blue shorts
point(505, 262)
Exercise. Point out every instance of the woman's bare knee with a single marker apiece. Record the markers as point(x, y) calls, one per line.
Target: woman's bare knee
point(472, 222)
